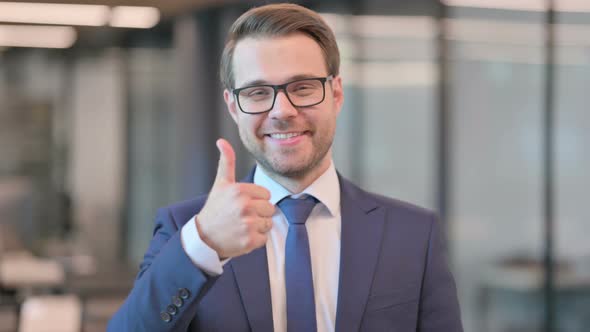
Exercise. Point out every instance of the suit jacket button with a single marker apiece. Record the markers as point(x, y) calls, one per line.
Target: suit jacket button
point(177, 301)
point(172, 310)
point(165, 316)
point(184, 293)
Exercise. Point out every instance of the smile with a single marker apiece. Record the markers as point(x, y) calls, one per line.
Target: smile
point(285, 135)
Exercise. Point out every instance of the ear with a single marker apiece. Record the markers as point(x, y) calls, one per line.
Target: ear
point(231, 104)
point(337, 93)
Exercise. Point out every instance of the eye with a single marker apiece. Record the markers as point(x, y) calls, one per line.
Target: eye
point(257, 93)
point(303, 87)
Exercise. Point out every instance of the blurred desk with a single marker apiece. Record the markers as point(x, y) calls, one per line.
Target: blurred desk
point(51, 314)
point(25, 272)
point(512, 298)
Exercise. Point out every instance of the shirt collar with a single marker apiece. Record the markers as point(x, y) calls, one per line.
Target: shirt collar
point(326, 189)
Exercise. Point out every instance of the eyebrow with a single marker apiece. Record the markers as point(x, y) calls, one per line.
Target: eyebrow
point(290, 79)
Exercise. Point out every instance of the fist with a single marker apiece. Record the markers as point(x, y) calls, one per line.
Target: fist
point(237, 216)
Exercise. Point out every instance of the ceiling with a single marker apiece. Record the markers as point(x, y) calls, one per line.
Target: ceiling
point(168, 8)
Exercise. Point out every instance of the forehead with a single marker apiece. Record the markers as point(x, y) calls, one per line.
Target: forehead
point(277, 59)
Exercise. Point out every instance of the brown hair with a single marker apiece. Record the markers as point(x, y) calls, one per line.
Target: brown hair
point(279, 20)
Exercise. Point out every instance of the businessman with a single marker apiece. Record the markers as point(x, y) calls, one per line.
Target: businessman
point(295, 246)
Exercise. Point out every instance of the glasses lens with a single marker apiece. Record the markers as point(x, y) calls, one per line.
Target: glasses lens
point(256, 99)
point(306, 92)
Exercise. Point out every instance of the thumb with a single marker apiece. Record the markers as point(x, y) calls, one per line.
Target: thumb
point(226, 170)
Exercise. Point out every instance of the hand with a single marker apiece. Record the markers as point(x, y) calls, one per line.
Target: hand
point(237, 216)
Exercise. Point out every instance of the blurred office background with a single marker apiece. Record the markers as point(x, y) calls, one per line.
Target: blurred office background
point(475, 108)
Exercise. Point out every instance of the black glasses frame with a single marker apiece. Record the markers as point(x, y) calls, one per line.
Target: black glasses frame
point(283, 87)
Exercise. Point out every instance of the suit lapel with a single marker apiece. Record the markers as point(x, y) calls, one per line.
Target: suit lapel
point(251, 274)
point(362, 226)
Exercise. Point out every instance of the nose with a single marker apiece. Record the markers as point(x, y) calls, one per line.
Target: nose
point(282, 109)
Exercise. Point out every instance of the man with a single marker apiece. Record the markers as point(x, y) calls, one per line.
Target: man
point(294, 247)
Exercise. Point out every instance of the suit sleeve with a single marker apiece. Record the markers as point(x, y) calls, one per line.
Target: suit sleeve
point(439, 307)
point(166, 275)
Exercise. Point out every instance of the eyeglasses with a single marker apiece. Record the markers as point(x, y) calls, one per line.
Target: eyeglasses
point(305, 92)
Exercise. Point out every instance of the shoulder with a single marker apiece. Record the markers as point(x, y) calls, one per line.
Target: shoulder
point(188, 204)
point(410, 217)
point(400, 206)
point(395, 209)
point(181, 212)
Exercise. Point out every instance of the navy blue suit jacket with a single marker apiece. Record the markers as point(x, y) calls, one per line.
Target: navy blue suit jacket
point(393, 275)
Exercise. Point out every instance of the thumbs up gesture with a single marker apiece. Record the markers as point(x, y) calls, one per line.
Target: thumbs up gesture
point(237, 216)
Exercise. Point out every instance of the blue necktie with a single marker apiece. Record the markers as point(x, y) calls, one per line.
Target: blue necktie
point(298, 275)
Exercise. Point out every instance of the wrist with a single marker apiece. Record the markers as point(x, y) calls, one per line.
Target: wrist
point(205, 238)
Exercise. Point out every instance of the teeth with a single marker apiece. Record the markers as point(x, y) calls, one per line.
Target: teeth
point(284, 136)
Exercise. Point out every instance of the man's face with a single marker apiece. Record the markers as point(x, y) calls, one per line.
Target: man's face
point(278, 60)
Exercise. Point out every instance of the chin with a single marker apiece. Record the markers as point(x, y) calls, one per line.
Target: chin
point(289, 170)
point(294, 169)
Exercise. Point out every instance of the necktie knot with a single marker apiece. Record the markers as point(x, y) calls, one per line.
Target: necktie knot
point(297, 210)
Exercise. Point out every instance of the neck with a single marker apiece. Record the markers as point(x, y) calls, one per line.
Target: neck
point(298, 184)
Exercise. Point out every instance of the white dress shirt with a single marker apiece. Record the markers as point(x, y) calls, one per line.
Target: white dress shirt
point(323, 229)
